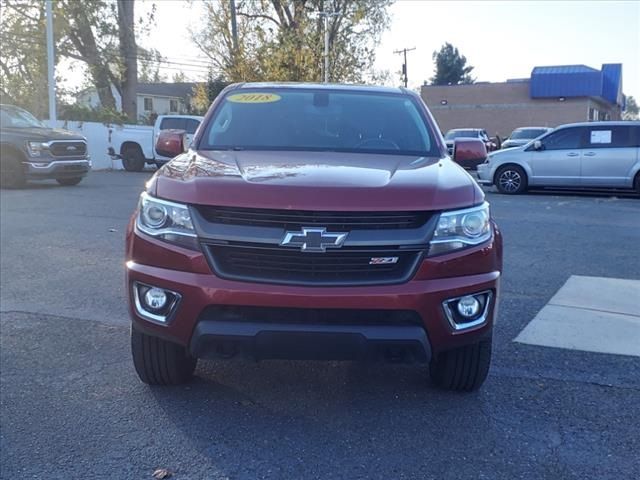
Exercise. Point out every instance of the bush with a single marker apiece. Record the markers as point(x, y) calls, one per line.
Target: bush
point(81, 113)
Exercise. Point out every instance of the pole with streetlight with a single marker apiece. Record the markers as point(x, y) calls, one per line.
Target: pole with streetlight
point(50, 64)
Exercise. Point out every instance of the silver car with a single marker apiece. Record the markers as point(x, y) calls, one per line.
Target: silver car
point(579, 155)
point(522, 136)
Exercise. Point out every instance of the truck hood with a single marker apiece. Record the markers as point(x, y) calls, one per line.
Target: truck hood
point(36, 134)
point(315, 181)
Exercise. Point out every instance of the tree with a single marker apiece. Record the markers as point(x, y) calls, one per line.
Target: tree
point(205, 93)
point(99, 33)
point(631, 110)
point(451, 67)
point(282, 40)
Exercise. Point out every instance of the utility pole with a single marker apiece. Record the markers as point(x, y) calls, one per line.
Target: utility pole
point(326, 16)
point(234, 27)
point(50, 64)
point(404, 51)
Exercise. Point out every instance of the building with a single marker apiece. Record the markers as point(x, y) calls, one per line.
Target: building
point(552, 96)
point(152, 98)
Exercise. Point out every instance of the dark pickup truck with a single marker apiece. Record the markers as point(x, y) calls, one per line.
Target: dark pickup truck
point(31, 151)
point(313, 222)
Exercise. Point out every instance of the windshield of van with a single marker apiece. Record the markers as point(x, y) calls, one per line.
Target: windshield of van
point(319, 120)
point(452, 134)
point(13, 117)
point(527, 133)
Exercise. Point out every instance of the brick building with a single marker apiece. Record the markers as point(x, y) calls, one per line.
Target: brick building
point(552, 96)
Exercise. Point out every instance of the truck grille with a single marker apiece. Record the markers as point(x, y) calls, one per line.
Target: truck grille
point(295, 219)
point(349, 266)
point(68, 148)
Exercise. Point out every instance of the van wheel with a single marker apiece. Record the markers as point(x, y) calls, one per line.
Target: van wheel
point(462, 369)
point(511, 180)
point(636, 183)
point(11, 171)
point(69, 182)
point(132, 159)
point(159, 362)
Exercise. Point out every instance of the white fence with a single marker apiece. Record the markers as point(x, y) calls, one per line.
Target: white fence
point(98, 137)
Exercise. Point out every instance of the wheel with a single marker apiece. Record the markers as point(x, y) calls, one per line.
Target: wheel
point(462, 369)
point(511, 180)
point(68, 182)
point(159, 362)
point(132, 159)
point(11, 171)
point(636, 183)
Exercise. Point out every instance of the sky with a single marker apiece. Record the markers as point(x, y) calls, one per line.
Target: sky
point(501, 39)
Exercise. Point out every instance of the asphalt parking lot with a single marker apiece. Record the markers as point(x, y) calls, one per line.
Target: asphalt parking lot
point(72, 406)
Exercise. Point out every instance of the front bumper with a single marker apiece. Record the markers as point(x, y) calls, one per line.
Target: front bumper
point(485, 176)
point(187, 273)
point(57, 169)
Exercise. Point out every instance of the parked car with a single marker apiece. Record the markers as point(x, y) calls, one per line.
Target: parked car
point(579, 155)
point(134, 145)
point(522, 136)
point(452, 135)
point(29, 150)
point(313, 222)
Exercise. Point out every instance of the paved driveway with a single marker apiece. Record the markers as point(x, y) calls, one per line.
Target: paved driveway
point(72, 407)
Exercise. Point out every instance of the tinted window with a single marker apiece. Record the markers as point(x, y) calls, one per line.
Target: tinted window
point(297, 119)
point(527, 133)
point(451, 134)
point(18, 118)
point(192, 125)
point(611, 137)
point(565, 139)
point(172, 124)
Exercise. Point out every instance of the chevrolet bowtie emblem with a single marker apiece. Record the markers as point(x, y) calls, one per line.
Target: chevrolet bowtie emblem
point(313, 239)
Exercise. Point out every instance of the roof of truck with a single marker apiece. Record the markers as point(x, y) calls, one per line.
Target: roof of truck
point(322, 86)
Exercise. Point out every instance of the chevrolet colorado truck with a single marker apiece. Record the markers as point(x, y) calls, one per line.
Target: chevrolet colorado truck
point(313, 222)
point(29, 150)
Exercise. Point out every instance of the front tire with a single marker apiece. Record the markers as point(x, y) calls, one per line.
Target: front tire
point(133, 159)
point(159, 362)
point(636, 183)
point(11, 171)
point(462, 369)
point(69, 182)
point(511, 180)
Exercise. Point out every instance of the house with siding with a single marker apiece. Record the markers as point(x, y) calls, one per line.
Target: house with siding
point(151, 98)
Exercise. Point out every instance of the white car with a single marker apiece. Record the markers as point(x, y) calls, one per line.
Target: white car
point(578, 155)
point(135, 144)
point(522, 136)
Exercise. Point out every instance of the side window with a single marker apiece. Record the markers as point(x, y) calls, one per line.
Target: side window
point(610, 137)
point(148, 104)
point(192, 126)
point(565, 139)
point(172, 123)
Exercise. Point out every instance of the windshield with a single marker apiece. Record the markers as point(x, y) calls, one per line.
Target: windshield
point(527, 133)
point(451, 134)
point(319, 120)
point(18, 118)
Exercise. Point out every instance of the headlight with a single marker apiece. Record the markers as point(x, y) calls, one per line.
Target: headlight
point(460, 229)
point(36, 148)
point(166, 220)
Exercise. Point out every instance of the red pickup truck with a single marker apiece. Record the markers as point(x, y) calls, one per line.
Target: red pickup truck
point(313, 222)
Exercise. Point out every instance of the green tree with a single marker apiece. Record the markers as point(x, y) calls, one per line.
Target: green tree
point(205, 93)
point(99, 33)
point(631, 110)
point(282, 40)
point(451, 67)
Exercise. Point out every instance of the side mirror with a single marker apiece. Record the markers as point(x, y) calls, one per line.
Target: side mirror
point(469, 152)
point(171, 143)
point(537, 145)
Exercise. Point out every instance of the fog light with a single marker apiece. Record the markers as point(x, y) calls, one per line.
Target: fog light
point(155, 299)
point(468, 306)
